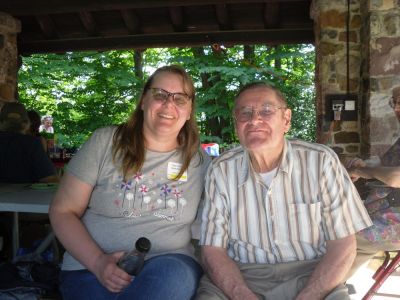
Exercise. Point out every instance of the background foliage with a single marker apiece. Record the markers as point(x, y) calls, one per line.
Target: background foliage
point(87, 90)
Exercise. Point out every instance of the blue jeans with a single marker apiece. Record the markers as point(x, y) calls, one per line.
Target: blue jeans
point(170, 276)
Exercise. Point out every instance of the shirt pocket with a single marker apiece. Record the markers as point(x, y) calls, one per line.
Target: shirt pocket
point(305, 221)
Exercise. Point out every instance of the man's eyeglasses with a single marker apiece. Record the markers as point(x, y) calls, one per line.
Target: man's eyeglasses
point(244, 114)
point(160, 95)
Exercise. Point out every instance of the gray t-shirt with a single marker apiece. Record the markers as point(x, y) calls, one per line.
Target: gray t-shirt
point(148, 204)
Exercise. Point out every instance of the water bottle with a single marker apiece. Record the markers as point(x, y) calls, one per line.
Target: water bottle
point(132, 262)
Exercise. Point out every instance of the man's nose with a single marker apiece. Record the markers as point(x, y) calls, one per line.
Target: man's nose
point(255, 116)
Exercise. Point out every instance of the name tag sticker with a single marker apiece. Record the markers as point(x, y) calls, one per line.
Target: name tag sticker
point(173, 171)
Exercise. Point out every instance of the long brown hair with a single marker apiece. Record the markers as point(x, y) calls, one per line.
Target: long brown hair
point(129, 142)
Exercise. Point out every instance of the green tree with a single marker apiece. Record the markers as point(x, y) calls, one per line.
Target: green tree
point(84, 91)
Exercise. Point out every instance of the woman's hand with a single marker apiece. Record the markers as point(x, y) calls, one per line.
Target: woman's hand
point(109, 274)
point(357, 173)
point(352, 166)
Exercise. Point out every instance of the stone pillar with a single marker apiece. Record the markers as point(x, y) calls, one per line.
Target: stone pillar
point(9, 28)
point(374, 71)
point(380, 73)
point(330, 26)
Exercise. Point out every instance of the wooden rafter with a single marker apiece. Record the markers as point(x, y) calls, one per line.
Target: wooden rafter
point(176, 15)
point(88, 22)
point(222, 16)
point(186, 39)
point(28, 7)
point(271, 15)
point(131, 21)
point(78, 25)
point(47, 25)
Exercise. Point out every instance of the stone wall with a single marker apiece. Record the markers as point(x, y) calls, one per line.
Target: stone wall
point(9, 28)
point(380, 74)
point(330, 21)
point(374, 69)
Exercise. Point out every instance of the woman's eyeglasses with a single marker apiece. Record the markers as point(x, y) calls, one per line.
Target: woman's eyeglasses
point(160, 95)
point(245, 114)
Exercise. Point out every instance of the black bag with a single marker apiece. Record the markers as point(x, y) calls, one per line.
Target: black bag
point(27, 280)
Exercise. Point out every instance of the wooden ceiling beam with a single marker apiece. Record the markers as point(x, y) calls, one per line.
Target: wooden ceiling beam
point(271, 15)
point(27, 7)
point(176, 15)
point(223, 16)
point(47, 25)
point(88, 22)
point(185, 39)
point(131, 21)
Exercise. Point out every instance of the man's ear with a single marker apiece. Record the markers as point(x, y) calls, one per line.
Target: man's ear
point(288, 118)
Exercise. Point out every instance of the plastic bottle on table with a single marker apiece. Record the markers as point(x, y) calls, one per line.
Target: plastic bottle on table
point(132, 262)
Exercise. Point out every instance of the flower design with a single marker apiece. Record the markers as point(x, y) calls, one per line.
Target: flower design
point(138, 176)
point(182, 203)
point(165, 191)
point(125, 186)
point(144, 190)
point(177, 193)
point(171, 203)
point(146, 200)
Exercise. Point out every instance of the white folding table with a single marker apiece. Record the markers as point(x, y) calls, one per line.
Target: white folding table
point(18, 198)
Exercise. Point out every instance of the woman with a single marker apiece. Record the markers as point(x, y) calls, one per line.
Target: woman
point(47, 125)
point(383, 198)
point(142, 178)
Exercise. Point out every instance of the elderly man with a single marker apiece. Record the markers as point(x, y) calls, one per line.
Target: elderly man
point(280, 215)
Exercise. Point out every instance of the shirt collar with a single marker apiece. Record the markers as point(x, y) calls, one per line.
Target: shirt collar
point(247, 169)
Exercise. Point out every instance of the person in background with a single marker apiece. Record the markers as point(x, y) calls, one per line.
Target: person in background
point(143, 178)
point(22, 157)
point(47, 125)
point(279, 215)
point(382, 200)
point(35, 121)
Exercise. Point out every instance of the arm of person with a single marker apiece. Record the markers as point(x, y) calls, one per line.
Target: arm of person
point(331, 270)
point(388, 175)
point(225, 274)
point(50, 179)
point(68, 206)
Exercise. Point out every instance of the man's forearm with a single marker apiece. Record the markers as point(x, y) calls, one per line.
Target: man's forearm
point(225, 274)
point(331, 270)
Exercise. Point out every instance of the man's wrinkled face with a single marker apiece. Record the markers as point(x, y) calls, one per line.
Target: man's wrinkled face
point(261, 119)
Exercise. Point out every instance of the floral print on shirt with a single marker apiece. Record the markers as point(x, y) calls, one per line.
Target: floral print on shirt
point(144, 195)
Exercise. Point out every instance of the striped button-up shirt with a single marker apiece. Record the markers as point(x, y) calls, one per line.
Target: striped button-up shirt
point(309, 201)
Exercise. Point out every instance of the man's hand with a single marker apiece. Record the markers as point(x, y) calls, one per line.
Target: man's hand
point(331, 270)
point(109, 274)
point(225, 274)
